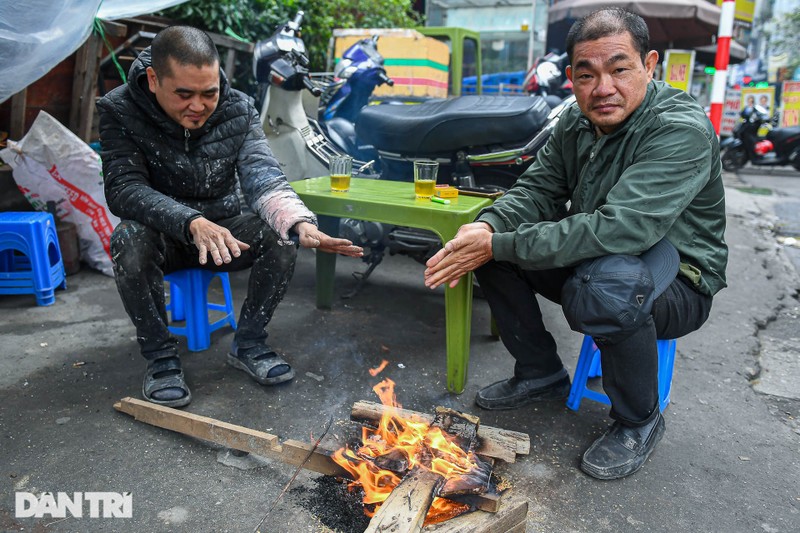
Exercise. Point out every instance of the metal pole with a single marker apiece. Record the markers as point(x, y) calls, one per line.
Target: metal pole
point(721, 63)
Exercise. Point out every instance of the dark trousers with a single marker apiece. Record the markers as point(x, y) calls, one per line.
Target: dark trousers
point(630, 365)
point(142, 256)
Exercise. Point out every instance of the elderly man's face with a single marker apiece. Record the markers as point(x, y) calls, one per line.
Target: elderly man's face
point(609, 79)
point(189, 94)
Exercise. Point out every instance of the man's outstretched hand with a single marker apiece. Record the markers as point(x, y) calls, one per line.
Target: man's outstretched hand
point(469, 249)
point(312, 237)
point(215, 240)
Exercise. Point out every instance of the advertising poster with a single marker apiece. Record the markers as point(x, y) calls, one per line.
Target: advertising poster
point(790, 102)
point(678, 66)
point(730, 113)
point(763, 96)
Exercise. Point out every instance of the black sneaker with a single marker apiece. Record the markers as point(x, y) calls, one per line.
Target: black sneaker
point(622, 450)
point(515, 392)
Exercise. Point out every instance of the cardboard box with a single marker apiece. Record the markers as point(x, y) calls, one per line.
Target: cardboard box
point(419, 65)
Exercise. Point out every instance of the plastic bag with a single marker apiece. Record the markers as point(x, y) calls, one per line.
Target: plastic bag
point(52, 164)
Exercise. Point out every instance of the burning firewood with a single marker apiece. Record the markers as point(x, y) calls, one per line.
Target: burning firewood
point(406, 459)
point(443, 444)
point(462, 427)
point(492, 442)
point(405, 509)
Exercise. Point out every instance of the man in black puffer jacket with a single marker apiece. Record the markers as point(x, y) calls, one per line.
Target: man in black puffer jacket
point(178, 145)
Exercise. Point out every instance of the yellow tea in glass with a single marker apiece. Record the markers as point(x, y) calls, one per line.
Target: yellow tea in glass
point(425, 178)
point(340, 183)
point(341, 167)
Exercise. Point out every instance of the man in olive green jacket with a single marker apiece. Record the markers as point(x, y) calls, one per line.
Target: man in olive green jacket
point(639, 255)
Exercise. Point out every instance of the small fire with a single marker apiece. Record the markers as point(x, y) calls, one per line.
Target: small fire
point(405, 444)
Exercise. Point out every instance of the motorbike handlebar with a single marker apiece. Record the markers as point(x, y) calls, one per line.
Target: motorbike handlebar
point(386, 79)
point(313, 89)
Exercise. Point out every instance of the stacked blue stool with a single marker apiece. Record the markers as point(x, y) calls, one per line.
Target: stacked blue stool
point(589, 367)
point(30, 259)
point(188, 300)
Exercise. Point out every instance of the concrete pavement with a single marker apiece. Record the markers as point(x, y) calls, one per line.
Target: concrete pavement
point(729, 461)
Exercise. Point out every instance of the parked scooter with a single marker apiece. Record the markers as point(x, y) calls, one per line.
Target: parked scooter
point(356, 76)
point(780, 147)
point(481, 142)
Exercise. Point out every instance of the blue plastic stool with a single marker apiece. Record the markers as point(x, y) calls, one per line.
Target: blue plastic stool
point(589, 367)
point(188, 300)
point(40, 271)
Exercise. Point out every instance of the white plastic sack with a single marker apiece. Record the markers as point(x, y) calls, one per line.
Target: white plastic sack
point(53, 164)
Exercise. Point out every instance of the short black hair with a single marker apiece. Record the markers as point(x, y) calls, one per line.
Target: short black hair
point(186, 45)
point(607, 22)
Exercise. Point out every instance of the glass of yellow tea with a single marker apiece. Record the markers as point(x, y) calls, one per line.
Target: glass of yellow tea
point(341, 168)
point(425, 172)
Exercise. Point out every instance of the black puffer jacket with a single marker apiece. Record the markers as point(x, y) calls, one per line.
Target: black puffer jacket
point(162, 175)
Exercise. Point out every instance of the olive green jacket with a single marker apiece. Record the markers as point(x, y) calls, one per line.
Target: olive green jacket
point(657, 176)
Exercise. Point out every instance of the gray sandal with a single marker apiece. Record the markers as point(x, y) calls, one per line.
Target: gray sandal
point(259, 365)
point(162, 374)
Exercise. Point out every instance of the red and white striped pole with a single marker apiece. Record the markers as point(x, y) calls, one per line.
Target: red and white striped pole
point(721, 62)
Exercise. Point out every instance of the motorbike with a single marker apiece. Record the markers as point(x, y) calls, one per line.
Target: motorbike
point(548, 78)
point(482, 143)
point(356, 76)
point(780, 147)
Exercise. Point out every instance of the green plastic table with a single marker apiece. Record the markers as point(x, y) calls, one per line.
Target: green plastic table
point(393, 202)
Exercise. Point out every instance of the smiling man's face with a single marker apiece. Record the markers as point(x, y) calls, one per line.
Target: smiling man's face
point(609, 79)
point(188, 94)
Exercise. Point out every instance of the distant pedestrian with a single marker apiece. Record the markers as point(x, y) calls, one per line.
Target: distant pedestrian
point(639, 255)
point(178, 144)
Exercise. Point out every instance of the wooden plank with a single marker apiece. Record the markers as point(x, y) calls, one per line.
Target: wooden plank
point(19, 102)
point(89, 88)
point(511, 518)
point(114, 29)
point(405, 509)
point(490, 502)
point(219, 39)
point(230, 63)
point(81, 61)
point(232, 436)
point(493, 442)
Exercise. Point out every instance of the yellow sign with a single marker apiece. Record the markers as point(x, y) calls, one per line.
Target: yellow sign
point(763, 96)
point(744, 10)
point(790, 104)
point(678, 66)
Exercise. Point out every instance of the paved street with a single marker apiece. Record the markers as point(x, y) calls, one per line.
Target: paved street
point(729, 462)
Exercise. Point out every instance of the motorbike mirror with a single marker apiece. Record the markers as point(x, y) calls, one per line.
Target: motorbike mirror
point(295, 24)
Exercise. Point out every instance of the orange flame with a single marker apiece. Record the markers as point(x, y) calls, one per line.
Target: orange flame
point(415, 441)
point(377, 370)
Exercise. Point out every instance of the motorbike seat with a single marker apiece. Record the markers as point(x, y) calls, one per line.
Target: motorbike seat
point(452, 124)
point(779, 136)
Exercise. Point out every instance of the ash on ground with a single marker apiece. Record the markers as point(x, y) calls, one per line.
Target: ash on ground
point(334, 505)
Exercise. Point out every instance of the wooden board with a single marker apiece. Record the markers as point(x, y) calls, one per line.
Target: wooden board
point(493, 442)
point(511, 518)
point(405, 509)
point(232, 436)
